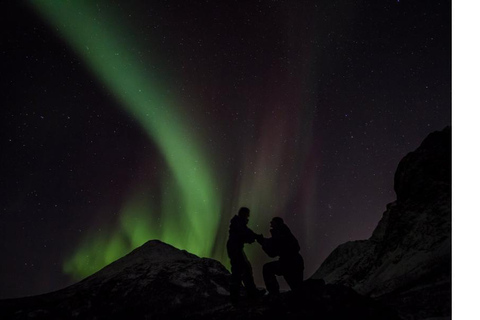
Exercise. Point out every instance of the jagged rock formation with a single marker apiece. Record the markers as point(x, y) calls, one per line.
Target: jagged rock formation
point(406, 263)
point(158, 281)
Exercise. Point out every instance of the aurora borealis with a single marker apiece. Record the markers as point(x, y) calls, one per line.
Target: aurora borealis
point(189, 220)
point(125, 122)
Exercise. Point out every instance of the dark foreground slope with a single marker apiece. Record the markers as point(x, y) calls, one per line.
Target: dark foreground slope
point(158, 281)
point(406, 263)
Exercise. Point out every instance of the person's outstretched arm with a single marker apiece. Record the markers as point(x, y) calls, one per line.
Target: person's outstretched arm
point(270, 247)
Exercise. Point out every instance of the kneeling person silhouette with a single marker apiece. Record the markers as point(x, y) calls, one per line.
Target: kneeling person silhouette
point(284, 245)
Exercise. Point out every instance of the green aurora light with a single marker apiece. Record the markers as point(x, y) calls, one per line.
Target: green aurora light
point(106, 47)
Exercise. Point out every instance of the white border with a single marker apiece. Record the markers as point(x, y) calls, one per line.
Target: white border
point(466, 160)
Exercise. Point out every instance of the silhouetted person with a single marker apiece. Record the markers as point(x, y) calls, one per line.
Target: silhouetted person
point(284, 245)
point(239, 234)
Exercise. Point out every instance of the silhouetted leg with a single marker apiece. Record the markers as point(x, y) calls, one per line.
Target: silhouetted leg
point(247, 277)
point(236, 279)
point(294, 278)
point(269, 271)
point(294, 272)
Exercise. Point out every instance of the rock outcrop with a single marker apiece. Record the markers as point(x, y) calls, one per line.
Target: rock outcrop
point(406, 263)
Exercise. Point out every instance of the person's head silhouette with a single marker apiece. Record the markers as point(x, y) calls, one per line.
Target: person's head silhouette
point(276, 222)
point(244, 213)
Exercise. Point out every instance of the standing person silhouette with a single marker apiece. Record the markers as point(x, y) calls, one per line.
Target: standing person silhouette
point(239, 234)
point(284, 245)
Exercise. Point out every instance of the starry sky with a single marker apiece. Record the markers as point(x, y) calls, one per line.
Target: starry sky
point(127, 121)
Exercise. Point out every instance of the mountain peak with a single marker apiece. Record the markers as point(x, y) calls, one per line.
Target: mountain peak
point(152, 253)
point(157, 249)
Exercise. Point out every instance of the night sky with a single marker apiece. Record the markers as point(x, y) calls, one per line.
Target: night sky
point(126, 121)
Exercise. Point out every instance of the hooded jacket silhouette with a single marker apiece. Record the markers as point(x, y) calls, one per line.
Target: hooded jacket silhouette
point(284, 245)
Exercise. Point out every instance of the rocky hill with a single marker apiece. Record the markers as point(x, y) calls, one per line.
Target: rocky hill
point(153, 279)
point(406, 263)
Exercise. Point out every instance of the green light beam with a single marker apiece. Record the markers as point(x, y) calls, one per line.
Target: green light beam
point(106, 47)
